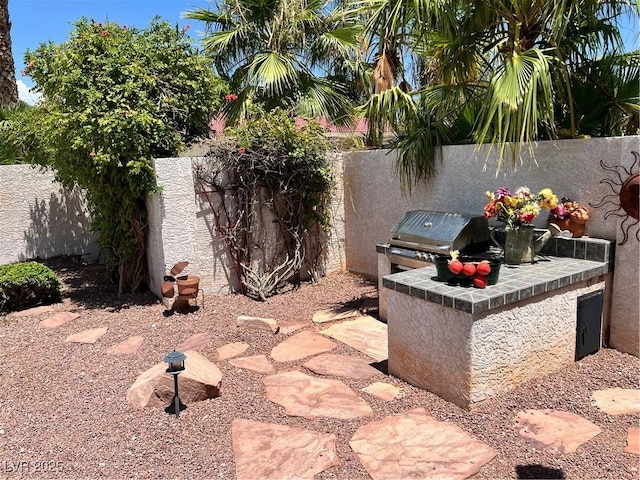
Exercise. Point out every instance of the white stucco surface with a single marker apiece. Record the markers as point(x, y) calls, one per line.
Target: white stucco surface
point(183, 228)
point(625, 309)
point(466, 358)
point(40, 219)
point(374, 201)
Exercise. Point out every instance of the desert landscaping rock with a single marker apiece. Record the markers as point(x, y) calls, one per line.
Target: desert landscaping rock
point(304, 396)
point(67, 403)
point(269, 451)
point(195, 342)
point(334, 314)
point(384, 391)
point(128, 346)
point(245, 322)
point(58, 319)
point(287, 329)
point(366, 334)
point(341, 366)
point(231, 350)
point(554, 430)
point(617, 401)
point(301, 345)
point(633, 440)
point(257, 363)
point(416, 445)
point(200, 380)
point(87, 336)
point(29, 312)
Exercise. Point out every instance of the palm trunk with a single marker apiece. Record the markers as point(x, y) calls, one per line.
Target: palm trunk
point(8, 85)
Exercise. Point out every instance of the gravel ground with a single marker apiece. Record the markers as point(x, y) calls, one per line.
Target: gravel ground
point(63, 412)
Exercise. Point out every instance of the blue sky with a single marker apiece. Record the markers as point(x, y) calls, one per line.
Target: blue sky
point(36, 21)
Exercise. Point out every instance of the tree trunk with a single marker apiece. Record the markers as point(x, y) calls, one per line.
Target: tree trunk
point(8, 85)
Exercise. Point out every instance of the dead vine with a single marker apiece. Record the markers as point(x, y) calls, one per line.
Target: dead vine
point(266, 204)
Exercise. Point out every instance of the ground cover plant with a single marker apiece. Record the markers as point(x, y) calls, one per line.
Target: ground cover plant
point(27, 284)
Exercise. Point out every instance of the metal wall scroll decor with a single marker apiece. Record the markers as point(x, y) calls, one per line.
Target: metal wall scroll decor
point(624, 199)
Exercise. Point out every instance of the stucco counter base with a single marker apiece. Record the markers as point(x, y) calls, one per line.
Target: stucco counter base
point(467, 357)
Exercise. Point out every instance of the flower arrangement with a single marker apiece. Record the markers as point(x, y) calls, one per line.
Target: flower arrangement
point(564, 209)
point(518, 209)
point(569, 216)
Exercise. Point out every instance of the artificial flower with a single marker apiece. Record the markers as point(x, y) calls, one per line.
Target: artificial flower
point(520, 208)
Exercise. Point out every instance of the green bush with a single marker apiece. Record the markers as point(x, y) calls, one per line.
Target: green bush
point(27, 284)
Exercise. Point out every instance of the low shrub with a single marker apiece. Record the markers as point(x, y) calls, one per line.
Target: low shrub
point(27, 284)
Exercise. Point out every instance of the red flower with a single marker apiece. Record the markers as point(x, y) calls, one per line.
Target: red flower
point(232, 97)
point(241, 150)
point(491, 209)
point(527, 217)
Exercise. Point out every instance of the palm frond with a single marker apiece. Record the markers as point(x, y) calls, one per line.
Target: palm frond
point(273, 72)
point(520, 95)
point(386, 110)
point(321, 98)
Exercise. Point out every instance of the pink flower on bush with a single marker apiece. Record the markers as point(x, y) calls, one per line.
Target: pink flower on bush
point(232, 97)
point(242, 150)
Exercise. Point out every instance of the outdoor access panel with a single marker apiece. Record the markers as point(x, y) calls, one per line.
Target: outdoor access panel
point(589, 324)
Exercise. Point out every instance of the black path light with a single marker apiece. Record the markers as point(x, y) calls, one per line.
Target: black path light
point(175, 360)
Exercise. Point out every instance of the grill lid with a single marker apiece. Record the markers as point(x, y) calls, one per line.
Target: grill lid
point(441, 232)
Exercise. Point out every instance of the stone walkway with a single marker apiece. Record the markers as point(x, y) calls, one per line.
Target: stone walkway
point(410, 444)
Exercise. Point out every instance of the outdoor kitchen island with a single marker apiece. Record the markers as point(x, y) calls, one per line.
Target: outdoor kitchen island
point(467, 344)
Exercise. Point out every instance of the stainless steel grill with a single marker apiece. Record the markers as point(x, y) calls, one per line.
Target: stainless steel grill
point(420, 235)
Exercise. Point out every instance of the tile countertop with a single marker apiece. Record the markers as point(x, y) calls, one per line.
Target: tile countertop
point(564, 262)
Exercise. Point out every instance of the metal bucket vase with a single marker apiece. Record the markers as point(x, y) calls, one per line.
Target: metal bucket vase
point(518, 246)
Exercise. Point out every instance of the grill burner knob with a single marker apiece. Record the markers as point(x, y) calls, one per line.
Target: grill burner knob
point(421, 256)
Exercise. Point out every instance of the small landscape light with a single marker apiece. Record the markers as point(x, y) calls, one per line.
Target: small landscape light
point(175, 360)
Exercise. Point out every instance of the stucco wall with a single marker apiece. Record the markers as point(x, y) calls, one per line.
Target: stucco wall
point(40, 219)
point(374, 201)
point(625, 308)
point(182, 228)
point(467, 358)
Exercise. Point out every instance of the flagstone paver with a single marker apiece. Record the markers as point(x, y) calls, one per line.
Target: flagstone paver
point(301, 345)
point(617, 401)
point(342, 366)
point(304, 396)
point(413, 444)
point(366, 334)
point(58, 319)
point(269, 451)
point(384, 391)
point(633, 440)
point(231, 350)
point(87, 336)
point(128, 346)
point(334, 314)
point(31, 311)
point(257, 323)
point(555, 430)
point(195, 342)
point(257, 363)
point(287, 329)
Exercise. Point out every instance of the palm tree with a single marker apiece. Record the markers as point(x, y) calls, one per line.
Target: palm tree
point(8, 86)
point(293, 54)
point(495, 72)
point(10, 150)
